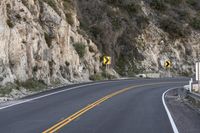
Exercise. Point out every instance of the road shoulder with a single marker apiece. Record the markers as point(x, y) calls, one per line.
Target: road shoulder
point(187, 118)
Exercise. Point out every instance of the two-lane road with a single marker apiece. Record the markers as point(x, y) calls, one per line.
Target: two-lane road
point(124, 106)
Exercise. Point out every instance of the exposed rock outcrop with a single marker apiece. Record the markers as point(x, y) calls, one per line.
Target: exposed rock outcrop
point(141, 34)
point(38, 43)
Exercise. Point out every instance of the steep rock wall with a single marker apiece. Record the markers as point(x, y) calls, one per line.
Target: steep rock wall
point(38, 43)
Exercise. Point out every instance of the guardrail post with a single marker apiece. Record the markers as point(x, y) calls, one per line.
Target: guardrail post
point(190, 84)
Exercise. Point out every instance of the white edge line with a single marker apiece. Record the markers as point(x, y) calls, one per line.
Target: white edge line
point(53, 93)
point(174, 127)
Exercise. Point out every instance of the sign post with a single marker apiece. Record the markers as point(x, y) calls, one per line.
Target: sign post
point(168, 66)
point(198, 74)
point(190, 85)
point(107, 62)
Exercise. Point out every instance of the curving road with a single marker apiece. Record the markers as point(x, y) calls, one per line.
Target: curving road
point(123, 106)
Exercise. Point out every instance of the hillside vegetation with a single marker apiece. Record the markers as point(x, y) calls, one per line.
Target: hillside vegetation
point(116, 26)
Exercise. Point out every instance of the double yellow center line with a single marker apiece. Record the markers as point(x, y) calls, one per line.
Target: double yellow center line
point(74, 116)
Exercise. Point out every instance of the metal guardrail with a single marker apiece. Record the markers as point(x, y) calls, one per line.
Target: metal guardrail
point(196, 96)
point(190, 93)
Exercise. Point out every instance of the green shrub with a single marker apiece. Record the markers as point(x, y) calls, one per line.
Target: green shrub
point(7, 89)
point(55, 82)
point(192, 2)
point(69, 18)
point(158, 5)
point(174, 28)
point(115, 2)
point(142, 22)
point(183, 15)
point(133, 8)
point(196, 23)
point(96, 77)
point(174, 2)
point(69, 7)
point(130, 7)
point(96, 31)
point(106, 75)
point(84, 25)
point(101, 76)
point(33, 85)
point(185, 74)
point(120, 65)
point(116, 24)
point(68, 4)
point(51, 3)
point(126, 65)
point(80, 49)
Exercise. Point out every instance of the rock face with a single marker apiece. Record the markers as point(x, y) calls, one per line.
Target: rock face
point(61, 41)
point(141, 34)
point(38, 43)
point(158, 48)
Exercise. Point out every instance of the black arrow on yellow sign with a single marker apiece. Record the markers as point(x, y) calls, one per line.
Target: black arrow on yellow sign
point(167, 64)
point(107, 60)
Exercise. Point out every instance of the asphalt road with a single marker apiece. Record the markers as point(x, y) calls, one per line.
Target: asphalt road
point(130, 106)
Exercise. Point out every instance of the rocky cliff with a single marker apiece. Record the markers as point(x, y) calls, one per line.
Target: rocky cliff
point(141, 34)
point(37, 42)
point(62, 41)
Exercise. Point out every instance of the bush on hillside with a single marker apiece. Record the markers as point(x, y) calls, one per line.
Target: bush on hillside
point(174, 28)
point(192, 2)
point(158, 5)
point(7, 89)
point(132, 8)
point(142, 22)
point(115, 2)
point(174, 2)
point(69, 7)
point(116, 23)
point(96, 77)
point(196, 23)
point(69, 18)
point(33, 85)
point(80, 49)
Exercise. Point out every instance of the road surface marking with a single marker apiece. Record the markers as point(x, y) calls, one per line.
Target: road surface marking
point(74, 116)
point(53, 93)
point(57, 92)
point(175, 129)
